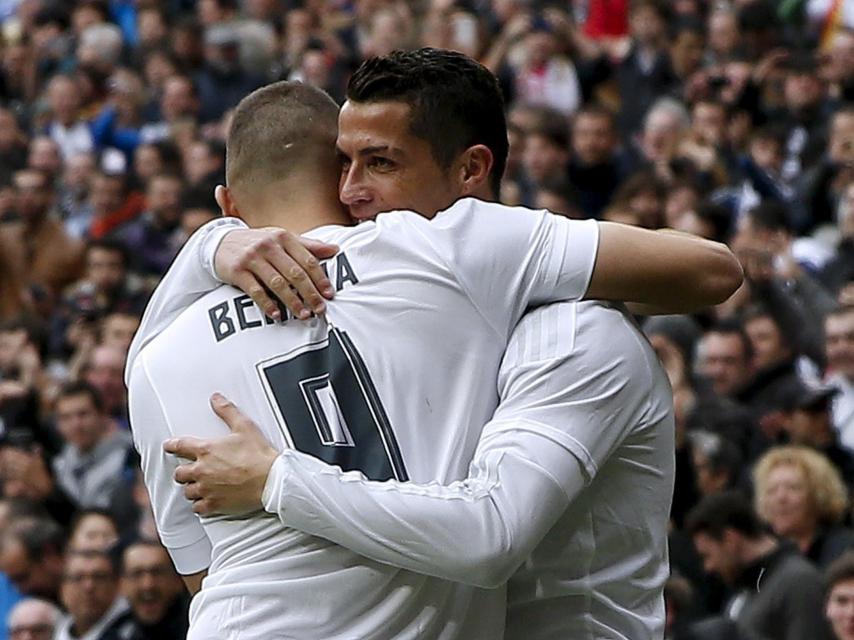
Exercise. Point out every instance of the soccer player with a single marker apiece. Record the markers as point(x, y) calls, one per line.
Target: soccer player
point(234, 321)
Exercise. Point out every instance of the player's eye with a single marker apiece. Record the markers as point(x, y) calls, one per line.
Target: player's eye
point(379, 162)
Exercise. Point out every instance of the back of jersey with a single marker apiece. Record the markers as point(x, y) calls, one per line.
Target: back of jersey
point(395, 382)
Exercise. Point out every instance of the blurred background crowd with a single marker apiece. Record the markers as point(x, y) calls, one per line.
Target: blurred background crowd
point(733, 120)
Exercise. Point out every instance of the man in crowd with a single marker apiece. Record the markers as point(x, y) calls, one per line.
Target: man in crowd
point(777, 592)
point(157, 598)
point(31, 556)
point(90, 594)
point(92, 468)
point(33, 619)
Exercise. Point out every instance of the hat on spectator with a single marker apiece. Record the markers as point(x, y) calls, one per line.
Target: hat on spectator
point(808, 396)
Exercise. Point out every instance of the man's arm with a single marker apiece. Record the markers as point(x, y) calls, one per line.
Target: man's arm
point(178, 528)
point(668, 271)
point(671, 272)
point(543, 447)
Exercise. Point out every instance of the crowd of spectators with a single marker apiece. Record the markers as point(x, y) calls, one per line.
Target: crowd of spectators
point(733, 120)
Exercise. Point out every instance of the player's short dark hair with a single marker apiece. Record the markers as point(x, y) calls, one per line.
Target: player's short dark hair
point(81, 388)
point(721, 511)
point(455, 101)
point(278, 130)
point(734, 327)
point(840, 570)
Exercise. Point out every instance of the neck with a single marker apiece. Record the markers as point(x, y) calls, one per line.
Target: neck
point(298, 211)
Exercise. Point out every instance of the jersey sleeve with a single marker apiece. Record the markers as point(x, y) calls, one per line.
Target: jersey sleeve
point(190, 277)
point(476, 531)
point(179, 528)
point(510, 258)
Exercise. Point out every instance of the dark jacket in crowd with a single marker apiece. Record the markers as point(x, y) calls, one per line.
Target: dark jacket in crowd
point(781, 598)
point(173, 626)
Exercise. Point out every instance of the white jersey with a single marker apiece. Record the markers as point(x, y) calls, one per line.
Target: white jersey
point(572, 480)
point(410, 349)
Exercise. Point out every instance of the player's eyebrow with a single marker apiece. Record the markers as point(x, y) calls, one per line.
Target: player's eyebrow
point(382, 148)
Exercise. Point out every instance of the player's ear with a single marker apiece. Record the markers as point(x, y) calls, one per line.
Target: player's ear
point(475, 167)
point(225, 200)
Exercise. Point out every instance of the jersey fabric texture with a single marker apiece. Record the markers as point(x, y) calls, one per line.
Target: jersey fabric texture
point(568, 494)
point(410, 347)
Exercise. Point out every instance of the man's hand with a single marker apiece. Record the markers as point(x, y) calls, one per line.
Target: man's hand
point(226, 476)
point(272, 261)
point(24, 474)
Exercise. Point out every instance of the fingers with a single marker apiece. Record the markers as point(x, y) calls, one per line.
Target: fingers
point(247, 282)
point(186, 474)
point(301, 268)
point(321, 250)
point(230, 414)
point(188, 447)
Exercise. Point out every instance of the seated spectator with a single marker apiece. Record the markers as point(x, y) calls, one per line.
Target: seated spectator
point(657, 148)
point(594, 169)
point(158, 600)
point(93, 530)
point(33, 619)
point(66, 128)
point(839, 596)
point(152, 235)
point(45, 155)
point(725, 357)
point(38, 247)
point(716, 461)
point(13, 148)
point(104, 370)
point(178, 102)
point(560, 197)
point(73, 192)
point(31, 551)
point(839, 345)
point(803, 499)
point(643, 195)
point(107, 288)
point(734, 545)
point(807, 421)
point(839, 268)
point(118, 328)
point(92, 467)
point(645, 72)
point(90, 594)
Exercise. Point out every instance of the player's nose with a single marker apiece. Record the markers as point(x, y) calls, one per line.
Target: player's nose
point(353, 191)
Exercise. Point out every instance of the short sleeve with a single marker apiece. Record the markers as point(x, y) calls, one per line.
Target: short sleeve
point(509, 258)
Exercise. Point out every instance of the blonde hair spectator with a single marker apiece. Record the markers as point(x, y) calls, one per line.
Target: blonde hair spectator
point(800, 494)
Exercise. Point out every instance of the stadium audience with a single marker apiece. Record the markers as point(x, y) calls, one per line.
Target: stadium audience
point(733, 120)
